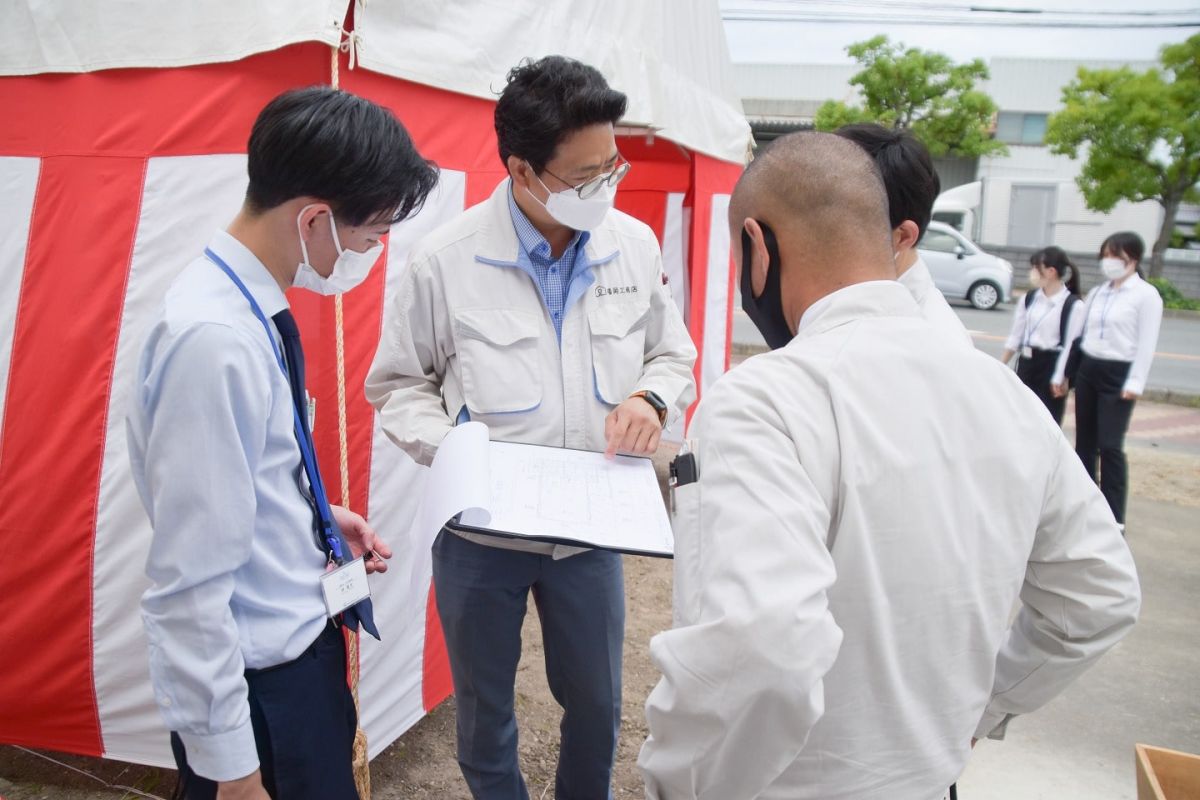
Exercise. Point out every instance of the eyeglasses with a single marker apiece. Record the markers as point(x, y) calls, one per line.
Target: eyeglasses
point(592, 185)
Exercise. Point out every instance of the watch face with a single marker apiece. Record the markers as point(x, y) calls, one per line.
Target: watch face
point(656, 402)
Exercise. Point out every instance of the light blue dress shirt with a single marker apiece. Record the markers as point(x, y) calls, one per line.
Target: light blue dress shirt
point(553, 276)
point(234, 564)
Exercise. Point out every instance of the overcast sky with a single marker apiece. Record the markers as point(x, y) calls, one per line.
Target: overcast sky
point(800, 31)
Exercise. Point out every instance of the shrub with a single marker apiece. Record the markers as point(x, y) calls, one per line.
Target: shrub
point(1172, 297)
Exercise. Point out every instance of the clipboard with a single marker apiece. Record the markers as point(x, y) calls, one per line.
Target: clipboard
point(571, 497)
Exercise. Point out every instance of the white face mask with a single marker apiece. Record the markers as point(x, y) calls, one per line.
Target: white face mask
point(1035, 277)
point(569, 209)
point(350, 269)
point(1113, 268)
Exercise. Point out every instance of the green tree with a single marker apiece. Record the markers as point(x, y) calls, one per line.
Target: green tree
point(927, 93)
point(1141, 134)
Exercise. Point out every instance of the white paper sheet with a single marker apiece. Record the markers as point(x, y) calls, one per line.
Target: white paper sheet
point(457, 481)
point(547, 493)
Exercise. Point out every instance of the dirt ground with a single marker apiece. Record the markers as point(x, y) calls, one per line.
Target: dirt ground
point(421, 765)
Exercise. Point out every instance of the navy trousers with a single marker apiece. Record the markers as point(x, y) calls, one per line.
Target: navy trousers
point(304, 723)
point(481, 597)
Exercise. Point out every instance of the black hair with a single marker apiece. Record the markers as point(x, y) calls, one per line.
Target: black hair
point(911, 182)
point(339, 148)
point(1035, 258)
point(1125, 243)
point(1056, 258)
point(547, 100)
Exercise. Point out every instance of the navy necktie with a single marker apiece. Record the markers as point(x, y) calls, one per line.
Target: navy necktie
point(285, 323)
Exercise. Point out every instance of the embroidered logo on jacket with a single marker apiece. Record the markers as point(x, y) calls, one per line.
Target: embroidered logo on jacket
point(604, 291)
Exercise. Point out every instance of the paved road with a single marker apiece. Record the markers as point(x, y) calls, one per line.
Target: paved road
point(1176, 365)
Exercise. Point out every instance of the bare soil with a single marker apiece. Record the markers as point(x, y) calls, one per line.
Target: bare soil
point(421, 765)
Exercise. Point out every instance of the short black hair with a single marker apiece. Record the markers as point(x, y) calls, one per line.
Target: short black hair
point(340, 148)
point(547, 100)
point(908, 175)
point(1124, 243)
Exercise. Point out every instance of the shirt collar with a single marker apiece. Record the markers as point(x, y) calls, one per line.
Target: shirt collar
point(867, 299)
point(530, 239)
point(1131, 282)
point(258, 281)
point(917, 279)
point(1056, 298)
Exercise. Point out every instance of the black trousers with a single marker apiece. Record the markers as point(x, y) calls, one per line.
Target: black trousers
point(1036, 372)
point(1101, 420)
point(304, 723)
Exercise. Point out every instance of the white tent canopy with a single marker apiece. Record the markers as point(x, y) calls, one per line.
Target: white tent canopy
point(669, 58)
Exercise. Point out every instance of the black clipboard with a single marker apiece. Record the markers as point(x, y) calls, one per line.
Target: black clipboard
point(455, 525)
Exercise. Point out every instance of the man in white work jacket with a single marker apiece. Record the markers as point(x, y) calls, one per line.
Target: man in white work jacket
point(544, 314)
point(862, 531)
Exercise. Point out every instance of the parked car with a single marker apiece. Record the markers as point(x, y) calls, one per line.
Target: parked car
point(962, 271)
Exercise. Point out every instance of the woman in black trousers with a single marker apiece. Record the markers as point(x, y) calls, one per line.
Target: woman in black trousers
point(1044, 325)
point(1120, 332)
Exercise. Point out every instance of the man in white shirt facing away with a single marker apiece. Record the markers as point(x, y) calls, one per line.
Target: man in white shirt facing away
point(912, 185)
point(248, 667)
point(862, 530)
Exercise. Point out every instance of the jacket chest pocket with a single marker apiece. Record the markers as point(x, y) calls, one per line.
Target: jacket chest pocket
point(618, 333)
point(497, 352)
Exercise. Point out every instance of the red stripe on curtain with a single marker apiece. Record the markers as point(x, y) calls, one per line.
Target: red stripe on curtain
point(84, 217)
point(162, 112)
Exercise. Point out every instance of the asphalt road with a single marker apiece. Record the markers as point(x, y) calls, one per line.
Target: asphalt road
point(1176, 365)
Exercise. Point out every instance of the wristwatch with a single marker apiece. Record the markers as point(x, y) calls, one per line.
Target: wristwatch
point(656, 403)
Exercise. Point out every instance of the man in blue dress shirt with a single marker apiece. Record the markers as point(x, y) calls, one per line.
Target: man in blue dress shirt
point(247, 666)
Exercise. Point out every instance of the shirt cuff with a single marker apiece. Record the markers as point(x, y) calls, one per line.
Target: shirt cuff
point(994, 725)
point(1135, 386)
point(223, 756)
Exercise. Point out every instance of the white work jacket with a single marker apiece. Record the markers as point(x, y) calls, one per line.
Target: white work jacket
point(872, 501)
point(933, 304)
point(468, 329)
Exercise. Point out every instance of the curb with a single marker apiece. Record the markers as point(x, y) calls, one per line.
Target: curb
point(1168, 396)
point(1172, 397)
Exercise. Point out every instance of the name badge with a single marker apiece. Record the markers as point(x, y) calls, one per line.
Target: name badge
point(345, 586)
point(1026, 352)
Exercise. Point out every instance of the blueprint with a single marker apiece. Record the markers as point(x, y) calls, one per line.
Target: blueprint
point(546, 493)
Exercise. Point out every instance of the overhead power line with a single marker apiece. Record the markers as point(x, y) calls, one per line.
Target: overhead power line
point(917, 5)
point(915, 12)
point(910, 19)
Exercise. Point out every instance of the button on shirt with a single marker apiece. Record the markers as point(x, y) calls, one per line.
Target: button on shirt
point(1122, 325)
point(233, 563)
point(553, 276)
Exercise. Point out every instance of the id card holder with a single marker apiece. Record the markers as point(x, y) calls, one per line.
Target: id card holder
point(345, 586)
point(1027, 352)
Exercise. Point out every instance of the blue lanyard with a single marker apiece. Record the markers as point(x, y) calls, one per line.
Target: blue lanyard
point(306, 447)
point(1029, 329)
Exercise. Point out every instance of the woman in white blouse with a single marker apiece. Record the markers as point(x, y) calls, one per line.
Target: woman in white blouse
point(1044, 326)
point(1120, 332)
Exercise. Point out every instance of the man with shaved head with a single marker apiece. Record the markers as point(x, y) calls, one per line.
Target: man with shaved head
point(861, 527)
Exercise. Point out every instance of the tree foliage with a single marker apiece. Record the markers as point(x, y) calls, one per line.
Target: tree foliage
point(925, 92)
point(1139, 133)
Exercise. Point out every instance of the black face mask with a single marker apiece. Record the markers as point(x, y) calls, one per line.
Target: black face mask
point(766, 310)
